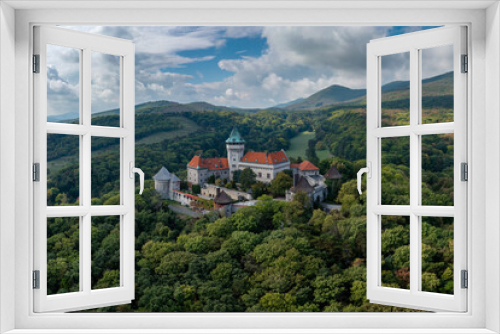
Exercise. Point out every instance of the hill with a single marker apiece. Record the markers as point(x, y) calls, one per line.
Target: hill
point(440, 85)
point(286, 104)
point(165, 107)
point(328, 96)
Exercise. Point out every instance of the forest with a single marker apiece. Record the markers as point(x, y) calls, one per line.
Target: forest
point(276, 256)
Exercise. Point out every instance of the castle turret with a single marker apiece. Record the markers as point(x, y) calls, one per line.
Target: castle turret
point(162, 182)
point(235, 149)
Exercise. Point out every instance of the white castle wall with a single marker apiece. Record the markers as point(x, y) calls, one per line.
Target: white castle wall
point(267, 172)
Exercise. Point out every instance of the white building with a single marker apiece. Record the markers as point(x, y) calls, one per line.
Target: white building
point(306, 178)
point(183, 198)
point(200, 169)
point(209, 191)
point(265, 165)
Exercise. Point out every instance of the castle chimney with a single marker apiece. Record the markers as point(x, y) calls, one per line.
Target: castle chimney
point(217, 191)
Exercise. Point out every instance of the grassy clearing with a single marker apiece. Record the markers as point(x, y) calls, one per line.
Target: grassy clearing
point(57, 164)
point(298, 146)
point(323, 154)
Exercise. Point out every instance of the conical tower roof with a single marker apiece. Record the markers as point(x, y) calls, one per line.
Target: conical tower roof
point(333, 173)
point(162, 175)
point(223, 199)
point(235, 137)
point(302, 185)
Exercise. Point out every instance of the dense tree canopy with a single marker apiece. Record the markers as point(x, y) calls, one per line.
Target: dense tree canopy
point(274, 257)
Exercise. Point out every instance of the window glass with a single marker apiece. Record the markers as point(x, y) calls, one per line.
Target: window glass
point(105, 89)
point(105, 252)
point(437, 254)
point(396, 252)
point(395, 171)
point(395, 102)
point(63, 84)
point(105, 171)
point(437, 170)
point(437, 84)
point(63, 255)
point(63, 170)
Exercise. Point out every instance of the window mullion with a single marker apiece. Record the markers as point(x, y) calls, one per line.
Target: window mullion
point(85, 172)
point(415, 260)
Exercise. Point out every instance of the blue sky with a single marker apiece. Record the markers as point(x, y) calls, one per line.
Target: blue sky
point(245, 67)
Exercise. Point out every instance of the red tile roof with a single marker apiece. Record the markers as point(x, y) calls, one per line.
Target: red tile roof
point(210, 163)
point(265, 158)
point(304, 165)
point(187, 195)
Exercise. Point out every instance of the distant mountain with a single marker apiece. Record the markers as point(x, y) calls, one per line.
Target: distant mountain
point(334, 95)
point(328, 96)
point(286, 104)
point(62, 117)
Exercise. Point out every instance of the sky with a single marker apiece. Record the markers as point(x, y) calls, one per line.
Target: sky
point(247, 67)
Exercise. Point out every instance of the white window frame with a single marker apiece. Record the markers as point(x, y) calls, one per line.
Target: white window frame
point(484, 103)
point(85, 43)
point(413, 43)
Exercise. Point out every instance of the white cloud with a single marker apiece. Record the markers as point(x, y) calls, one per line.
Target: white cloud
point(63, 81)
point(297, 62)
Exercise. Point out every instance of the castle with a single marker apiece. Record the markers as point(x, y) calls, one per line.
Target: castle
point(265, 165)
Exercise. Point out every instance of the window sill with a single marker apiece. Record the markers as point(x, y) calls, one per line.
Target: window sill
point(253, 331)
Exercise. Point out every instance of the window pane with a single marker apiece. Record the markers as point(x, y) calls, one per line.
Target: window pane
point(437, 84)
point(63, 170)
point(105, 252)
point(63, 255)
point(63, 84)
point(437, 254)
point(395, 72)
point(395, 171)
point(105, 171)
point(437, 170)
point(396, 252)
point(105, 89)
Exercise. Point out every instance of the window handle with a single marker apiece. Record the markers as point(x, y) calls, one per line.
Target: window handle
point(368, 171)
point(134, 170)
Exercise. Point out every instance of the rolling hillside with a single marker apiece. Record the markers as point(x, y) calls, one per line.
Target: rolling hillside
point(437, 90)
point(441, 85)
point(328, 96)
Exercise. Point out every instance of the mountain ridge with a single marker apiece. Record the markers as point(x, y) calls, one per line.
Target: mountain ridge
point(329, 96)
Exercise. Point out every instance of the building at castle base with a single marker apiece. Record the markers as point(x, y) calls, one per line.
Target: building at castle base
point(306, 178)
point(166, 183)
point(209, 191)
point(265, 165)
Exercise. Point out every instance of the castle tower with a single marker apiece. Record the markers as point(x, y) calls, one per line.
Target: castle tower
point(162, 183)
point(235, 149)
